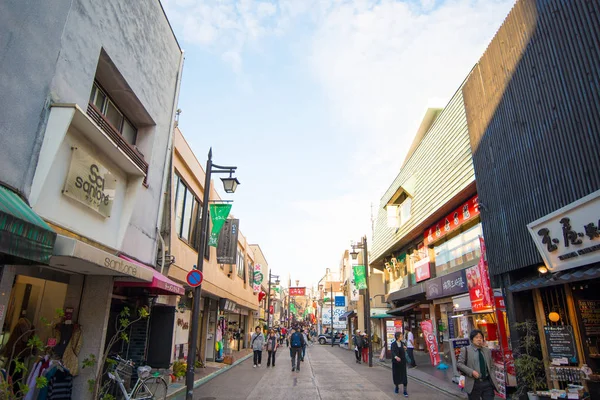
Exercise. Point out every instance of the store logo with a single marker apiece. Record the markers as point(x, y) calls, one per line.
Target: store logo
point(120, 266)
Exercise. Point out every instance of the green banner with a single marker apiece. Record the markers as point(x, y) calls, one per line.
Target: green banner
point(218, 215)
point(360, 279)
point(293, 309)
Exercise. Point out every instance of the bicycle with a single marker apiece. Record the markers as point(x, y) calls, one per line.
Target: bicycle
point(147, 387)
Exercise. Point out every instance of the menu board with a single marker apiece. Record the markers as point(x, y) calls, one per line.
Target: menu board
point(590, 316)
point(561, 343)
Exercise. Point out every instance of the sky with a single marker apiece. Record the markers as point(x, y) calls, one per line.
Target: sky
point(317, 102)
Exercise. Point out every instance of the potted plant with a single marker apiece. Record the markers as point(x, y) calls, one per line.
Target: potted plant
point(529, 367)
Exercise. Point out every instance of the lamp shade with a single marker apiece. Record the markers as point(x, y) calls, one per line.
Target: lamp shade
point(230, 184)
point(354, 254)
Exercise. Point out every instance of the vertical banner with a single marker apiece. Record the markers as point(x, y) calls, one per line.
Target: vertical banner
point(257, 278)
point(478, 282)
point(360, 279)
point(218, 215)
point(432, 346)
point(227, 246)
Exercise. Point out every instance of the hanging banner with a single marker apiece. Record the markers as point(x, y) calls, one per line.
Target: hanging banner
point(297, 291)
point(432, 346)
point(360, 279)
point(293, 309)
point(218, 216)
point(478, 282)
point(257, 278)
point(228, 238)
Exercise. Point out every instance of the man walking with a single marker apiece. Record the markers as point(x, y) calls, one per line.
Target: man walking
point(296, 345)
point(257, 344)
point(475, 361)
point(410, 347)
point(357, 342)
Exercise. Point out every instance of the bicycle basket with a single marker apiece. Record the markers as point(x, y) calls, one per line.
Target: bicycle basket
point(125, 372)
point(144, 372)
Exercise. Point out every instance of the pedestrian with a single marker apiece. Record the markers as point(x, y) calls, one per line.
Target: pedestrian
point(305, 336)
point(365, 348)
point(257, 344)
point(410, 347)
point(399, 364)
point(357, 343)
point(296, 344)
point(475, 362)
point(272, 345)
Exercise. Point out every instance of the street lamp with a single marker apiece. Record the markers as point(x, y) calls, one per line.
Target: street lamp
point(331, 302)
point(229, 184)
point(269, 297)
point(367, 298)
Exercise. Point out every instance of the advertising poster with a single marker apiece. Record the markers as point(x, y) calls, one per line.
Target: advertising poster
point(431, 340)
point(391, 327)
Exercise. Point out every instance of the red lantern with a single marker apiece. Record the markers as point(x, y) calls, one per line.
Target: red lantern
point(261, 296)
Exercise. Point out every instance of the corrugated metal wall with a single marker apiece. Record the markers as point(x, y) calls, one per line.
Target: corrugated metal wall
point(442, 168)
point(533, 109)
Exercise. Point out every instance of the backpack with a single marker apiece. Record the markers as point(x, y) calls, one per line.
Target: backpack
point(296, 340)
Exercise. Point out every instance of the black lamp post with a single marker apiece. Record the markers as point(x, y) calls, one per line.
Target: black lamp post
point(229, 184)
point(331, 302)
point(367, 298)
point(269, 297)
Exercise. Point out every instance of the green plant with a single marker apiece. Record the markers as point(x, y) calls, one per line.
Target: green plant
point(179, 368)
point(529, 368)
point(123, 322)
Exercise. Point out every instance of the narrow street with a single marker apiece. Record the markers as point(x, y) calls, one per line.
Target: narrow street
point(327, 373)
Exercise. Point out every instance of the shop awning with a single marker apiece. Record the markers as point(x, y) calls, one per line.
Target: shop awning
point(160, 284)
point(558, 278)
point(380, 316)
point(23, 233)
point(403, 309)
point(345, 315)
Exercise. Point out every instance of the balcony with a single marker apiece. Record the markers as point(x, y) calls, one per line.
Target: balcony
point(130, 151)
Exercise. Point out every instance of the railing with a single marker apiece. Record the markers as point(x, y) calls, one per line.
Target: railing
point(118, 139)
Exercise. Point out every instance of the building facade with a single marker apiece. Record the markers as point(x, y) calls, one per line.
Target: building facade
point(533, 110)
point(91, 110)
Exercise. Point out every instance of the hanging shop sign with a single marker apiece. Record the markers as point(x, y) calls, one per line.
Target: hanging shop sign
point(431, 340)
point(462, 214)
point(218, 215)
point(297, 291)
point(228, 238)
point(90, 183)
point(422, 269)
point(570, 236)
point(561, 343)
point(480, 288)
point(258, 278)
point(340, 301)
point(360, 279)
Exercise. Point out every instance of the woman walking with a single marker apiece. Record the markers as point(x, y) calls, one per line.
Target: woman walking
point(272, 345)
point(257, 343)
point(399, 364)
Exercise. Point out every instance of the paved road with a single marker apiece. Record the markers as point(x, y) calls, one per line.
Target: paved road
point(326, 374)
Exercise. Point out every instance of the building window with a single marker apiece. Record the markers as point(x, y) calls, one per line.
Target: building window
point(240, 263)
point(398, 213)
point(187, 214)
point(250, 273)
point(112, 114)
point(461, 251)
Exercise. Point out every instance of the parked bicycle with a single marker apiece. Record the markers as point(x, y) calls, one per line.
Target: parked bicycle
point(147, 387)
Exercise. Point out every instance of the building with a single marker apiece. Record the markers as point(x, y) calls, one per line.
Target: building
point(533, 111)
point(89, 97)
point(261, 272)
point(228, 300)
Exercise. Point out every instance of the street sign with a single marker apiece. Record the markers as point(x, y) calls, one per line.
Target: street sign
point(194, 278)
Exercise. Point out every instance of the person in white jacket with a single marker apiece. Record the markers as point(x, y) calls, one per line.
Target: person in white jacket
point(257, 342)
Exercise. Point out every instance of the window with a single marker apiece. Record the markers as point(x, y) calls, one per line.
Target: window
point(405, 210)
point(398, 213)
point(240, 263)
point(460, 252)
point(112, 114)
point(250, 273)
point(187, 213)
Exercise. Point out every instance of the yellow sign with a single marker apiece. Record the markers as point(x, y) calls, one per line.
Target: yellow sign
point(90, 183)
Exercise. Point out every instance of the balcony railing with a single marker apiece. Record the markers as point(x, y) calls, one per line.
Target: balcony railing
point(118, 139)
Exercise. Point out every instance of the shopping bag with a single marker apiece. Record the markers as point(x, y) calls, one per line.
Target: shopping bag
point(461, 382)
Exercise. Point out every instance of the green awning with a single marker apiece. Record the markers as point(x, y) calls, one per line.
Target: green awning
point(23, 233)
point(379, 316)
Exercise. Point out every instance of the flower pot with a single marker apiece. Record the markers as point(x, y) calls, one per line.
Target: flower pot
point(532, 396)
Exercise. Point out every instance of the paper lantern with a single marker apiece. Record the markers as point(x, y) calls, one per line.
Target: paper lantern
point(554, 316)
point(261, 296)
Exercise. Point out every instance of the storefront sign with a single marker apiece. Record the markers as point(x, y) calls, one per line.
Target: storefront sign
point(297, 291)
point(560, 342)
point(360, 279)
point(422, 269)
point(90, 183)
point(431, 340)
point(228, 238)
point(590, 316)
point(218, 215)
point(480, 288)
point(340, 301)
point(462, 214)
point(258, 278)
point(570, 236)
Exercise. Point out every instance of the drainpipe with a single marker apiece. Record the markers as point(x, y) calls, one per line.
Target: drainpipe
point(168, 156)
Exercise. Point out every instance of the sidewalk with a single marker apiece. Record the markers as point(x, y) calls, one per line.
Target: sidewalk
point(176, 390)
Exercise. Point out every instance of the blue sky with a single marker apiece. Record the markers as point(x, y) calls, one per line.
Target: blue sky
point(317, 102)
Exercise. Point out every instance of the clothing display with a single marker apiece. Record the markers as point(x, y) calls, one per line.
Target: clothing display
point(60, 383)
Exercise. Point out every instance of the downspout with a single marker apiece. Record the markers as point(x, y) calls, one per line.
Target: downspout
point(168, 162)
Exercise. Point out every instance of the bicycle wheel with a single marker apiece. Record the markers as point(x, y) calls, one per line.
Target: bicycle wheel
point(151, 388)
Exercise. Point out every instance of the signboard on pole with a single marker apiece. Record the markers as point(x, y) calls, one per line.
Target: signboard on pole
point(228, 238)
point(360, 278)
point(218, 215)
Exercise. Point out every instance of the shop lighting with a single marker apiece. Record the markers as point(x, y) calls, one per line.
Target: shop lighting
point(542, 269)
point(457, 316)
point(554, 316)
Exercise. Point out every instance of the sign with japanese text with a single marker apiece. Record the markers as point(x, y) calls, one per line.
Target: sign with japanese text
point(570, 236)
point(447, 285)
point(297, 291)
point(457, 345)
point(422, 269)
point(228, 238)
point(456, 218)
point(90, 183)
point(480, 288)
point(360, 279)
point(560, 342)
point(431, 340)
point(218, 215)
point(340, 301)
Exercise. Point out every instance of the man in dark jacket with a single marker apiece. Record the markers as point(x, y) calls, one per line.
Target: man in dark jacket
point(358, 344)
